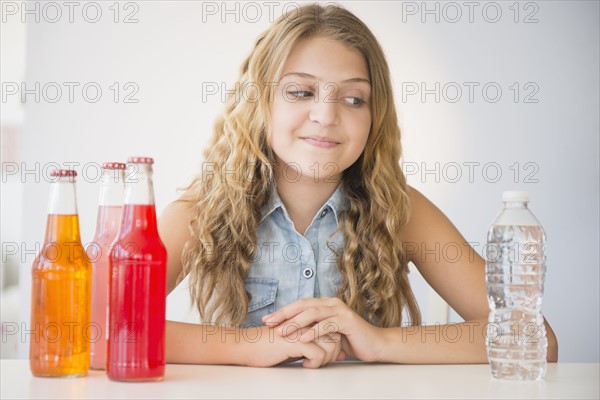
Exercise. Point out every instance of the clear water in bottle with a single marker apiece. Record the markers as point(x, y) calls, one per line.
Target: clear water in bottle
point(515, 273)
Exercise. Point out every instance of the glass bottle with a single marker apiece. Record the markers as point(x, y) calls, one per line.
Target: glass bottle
point(110, 207)
point(138, 259)
point(60, 290)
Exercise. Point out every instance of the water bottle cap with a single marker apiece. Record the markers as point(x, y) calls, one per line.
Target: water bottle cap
point(113, 165)
point(515, 195)
point(63, 172)
point(140, 160)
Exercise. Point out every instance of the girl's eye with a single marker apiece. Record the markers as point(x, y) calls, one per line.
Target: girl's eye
point(300, 94)
point(354, 101)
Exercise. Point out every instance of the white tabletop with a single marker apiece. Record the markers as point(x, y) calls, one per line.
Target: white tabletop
point(338, 380)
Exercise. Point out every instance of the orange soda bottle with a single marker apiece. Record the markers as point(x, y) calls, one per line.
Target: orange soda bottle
point(61, 286)
point(107, 226)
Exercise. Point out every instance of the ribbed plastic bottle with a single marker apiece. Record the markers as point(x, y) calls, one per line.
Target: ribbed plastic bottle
point(110, 205)
point(60, 289)
point(138, 268)
point(515, 274)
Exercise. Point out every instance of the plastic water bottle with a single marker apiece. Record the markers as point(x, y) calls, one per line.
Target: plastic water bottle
point(515, 272)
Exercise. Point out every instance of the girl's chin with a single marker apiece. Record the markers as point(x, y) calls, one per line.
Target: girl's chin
point(317, 171)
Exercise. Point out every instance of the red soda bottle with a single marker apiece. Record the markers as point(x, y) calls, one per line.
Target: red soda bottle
point(138, 260)
point(60, 289)
point(110, 207)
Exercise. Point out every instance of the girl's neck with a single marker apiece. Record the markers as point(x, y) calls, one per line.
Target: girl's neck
point(304, 197)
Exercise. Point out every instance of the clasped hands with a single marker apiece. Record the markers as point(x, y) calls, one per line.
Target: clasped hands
point(324, 330)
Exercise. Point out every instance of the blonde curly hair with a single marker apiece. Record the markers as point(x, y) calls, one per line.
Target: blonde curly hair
point(226, 206)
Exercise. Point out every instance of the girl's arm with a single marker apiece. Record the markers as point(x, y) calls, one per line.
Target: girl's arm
point(254, 347)
point(206, 344)
point(452, 268)
point(457, 273)
point(174, 231)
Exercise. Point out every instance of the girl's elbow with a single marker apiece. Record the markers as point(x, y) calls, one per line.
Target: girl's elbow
point(552, 353)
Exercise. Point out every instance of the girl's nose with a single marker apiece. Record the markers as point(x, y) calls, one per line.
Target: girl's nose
point(325, 111)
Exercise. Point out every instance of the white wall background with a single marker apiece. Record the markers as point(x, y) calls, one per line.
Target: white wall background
point(12, 113)
point(176, 47)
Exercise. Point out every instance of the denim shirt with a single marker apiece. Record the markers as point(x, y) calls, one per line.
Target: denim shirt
point(288, 266)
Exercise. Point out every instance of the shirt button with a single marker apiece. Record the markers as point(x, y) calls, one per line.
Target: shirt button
point(308, 273)
point(323, 213)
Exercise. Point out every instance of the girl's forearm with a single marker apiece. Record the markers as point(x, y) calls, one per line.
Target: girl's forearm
point(460, 343)
point(203, 344)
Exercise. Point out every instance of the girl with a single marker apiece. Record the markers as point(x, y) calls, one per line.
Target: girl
point(297, 234)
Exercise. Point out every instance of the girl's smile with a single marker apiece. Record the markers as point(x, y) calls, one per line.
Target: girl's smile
point(320, 141)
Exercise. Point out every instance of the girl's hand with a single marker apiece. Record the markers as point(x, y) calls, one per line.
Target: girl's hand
point(332, 345)
point(319, 317)
point(265, 348)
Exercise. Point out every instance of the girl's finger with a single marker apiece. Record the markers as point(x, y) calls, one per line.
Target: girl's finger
point(322, 329)
point(314, 356)
point(332, 346)
point(292, 310)
point(335, 342)
point(305, 319)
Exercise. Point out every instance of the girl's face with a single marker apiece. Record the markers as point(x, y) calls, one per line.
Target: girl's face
point(320, 113)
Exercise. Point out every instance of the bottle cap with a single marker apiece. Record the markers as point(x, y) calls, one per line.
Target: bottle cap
point(515, 195)
point(63, 172)
point(140, 160)
point(113, 165)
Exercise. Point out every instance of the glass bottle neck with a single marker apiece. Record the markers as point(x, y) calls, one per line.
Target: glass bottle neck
point(62, 197)
point(63, 221)
point(111, 190)
point(139, 189)
point(109, 204)
point(139, 213)
point(62, 228)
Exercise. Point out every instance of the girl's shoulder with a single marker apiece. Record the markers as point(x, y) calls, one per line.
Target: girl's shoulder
point(424, 216)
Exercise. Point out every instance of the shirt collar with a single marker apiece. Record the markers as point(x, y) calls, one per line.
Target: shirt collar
point(337, 203)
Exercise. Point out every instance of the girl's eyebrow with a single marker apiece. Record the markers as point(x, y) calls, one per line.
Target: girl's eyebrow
point(305, 75)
